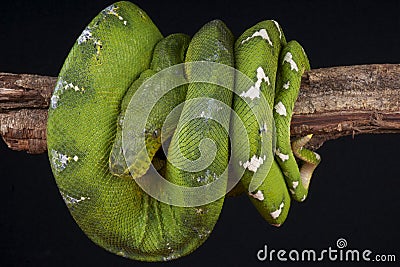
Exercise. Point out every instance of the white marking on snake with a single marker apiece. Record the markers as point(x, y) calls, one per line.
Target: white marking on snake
point(60, 88)
point(254, 163)
point(112, 10)
point(317, 156)
point(206, 178)
point(261, 33)
point(275, 214)
point(286, 85)
point(60, 161)
point(261, 76)
point(289, 59)
point(254, 90)
point(252, 93)
point(279, 28)
point(85, 35)
point(71, 200)
point(280, 109)
point(303, 198)
point(257, 195)
point(282, 156)
point(53, 101)
point(295, 184)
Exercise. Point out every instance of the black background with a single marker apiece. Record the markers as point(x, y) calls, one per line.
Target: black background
point(354, 192)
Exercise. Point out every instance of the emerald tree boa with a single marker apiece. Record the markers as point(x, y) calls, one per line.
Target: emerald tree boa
point(146, 134)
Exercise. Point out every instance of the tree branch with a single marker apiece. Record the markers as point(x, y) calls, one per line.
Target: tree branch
point(333, 102)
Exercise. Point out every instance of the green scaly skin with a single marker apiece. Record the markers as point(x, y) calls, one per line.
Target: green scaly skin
point(118, 51)
point(168, 52)
point(293, 62)
point(254, 55)
point(113, 211)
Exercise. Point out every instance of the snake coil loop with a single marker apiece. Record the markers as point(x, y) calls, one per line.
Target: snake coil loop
point(202, 113)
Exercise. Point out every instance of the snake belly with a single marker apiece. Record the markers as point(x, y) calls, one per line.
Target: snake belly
point(117, 53)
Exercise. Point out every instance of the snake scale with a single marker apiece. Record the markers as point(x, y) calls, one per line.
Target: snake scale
point(97, 165)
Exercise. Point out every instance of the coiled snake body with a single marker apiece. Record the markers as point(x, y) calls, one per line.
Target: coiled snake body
point(112, 59)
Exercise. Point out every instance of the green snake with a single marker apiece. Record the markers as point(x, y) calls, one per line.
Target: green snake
point(97, 165)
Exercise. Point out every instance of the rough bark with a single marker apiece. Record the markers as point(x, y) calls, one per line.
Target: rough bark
point(333, 102)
